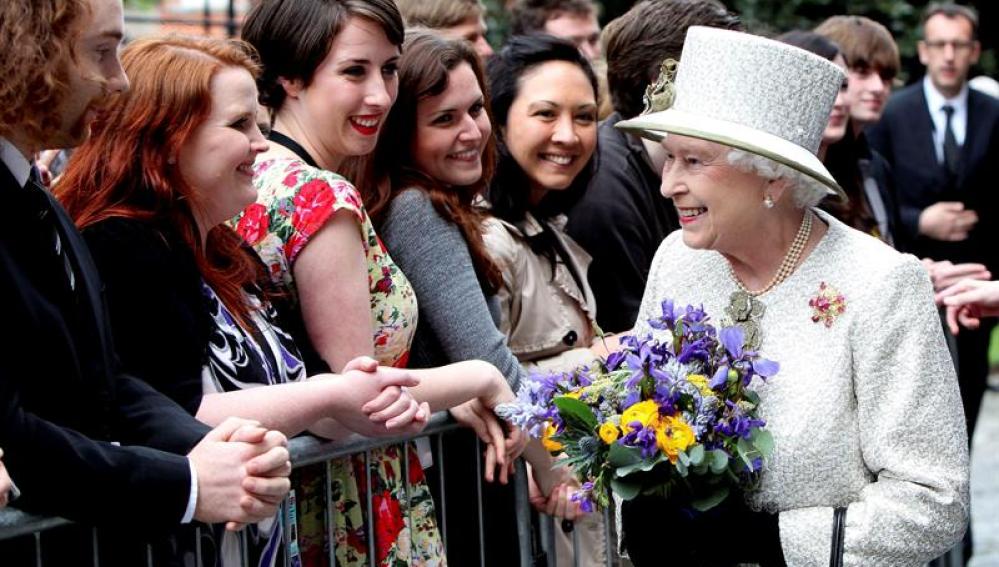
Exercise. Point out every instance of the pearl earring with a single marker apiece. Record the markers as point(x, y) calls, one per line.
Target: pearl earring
point(768, 202)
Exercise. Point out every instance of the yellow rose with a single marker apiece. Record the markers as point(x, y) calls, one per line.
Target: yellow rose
point(546, 440)
point(673, 435)
point(609, 432)
point(701, 382)
point(642, 412)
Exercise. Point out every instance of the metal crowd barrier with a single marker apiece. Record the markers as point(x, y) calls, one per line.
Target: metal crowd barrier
point(308, 450)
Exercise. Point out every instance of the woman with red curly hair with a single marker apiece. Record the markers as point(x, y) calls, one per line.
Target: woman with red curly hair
point(165, 167)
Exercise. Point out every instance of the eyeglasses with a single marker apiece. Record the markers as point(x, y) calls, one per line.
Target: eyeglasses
point(957, 46)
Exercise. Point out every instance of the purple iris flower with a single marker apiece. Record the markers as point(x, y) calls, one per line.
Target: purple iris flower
point(695, 319)
point(720, 378)
point(633, 397)
point(765, 368)
point(733, 339)
point(615, 359)
point(582, 496)
point(694, 350)
point(668, 319)
point(641, 437)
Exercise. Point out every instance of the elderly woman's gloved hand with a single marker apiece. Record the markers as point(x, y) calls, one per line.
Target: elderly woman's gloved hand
point(728, 534)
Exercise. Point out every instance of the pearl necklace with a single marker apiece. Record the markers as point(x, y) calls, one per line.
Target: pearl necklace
point(787, 265)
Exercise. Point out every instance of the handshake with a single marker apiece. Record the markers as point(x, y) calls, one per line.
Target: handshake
point(242, 466)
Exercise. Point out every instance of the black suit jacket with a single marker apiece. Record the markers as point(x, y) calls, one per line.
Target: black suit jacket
point(62, 399)
point(904, 136)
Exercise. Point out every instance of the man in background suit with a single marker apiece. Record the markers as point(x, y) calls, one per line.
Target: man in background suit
point(82, 440)
point(942, 140)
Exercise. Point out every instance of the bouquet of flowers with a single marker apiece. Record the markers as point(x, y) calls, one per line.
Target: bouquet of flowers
point(673, 417)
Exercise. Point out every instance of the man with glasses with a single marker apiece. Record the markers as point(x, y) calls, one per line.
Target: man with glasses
point(942, 140)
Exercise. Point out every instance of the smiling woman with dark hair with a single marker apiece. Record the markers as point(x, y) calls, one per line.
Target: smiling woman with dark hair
point(545, 105)
point(436, 160)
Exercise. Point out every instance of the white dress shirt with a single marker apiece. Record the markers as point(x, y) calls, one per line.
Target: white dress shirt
point(20, 167)
point(958, 122)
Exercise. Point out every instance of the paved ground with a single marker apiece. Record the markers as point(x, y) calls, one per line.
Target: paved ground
point(985, 483)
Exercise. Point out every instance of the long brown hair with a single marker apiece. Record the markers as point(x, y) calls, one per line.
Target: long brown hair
point(426, 61)
point(125, 169)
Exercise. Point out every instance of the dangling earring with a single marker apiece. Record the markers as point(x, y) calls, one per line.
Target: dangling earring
point(768, 202)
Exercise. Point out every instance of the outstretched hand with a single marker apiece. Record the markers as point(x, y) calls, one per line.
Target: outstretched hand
point(968, 301)
point(558, 503)
point(475, 415)
point(944, 274)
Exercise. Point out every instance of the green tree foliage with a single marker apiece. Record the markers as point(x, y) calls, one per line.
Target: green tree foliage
point(902, 18)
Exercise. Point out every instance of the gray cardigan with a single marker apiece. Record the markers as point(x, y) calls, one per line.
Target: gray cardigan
point(457, 321)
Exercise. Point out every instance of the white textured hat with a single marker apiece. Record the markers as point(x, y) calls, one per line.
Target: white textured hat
point(751, 93)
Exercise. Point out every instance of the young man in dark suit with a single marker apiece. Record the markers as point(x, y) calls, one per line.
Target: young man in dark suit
point(942, 140)
point(82, 440)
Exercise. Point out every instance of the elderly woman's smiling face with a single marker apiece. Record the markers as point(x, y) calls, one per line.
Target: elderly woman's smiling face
point(720, 205)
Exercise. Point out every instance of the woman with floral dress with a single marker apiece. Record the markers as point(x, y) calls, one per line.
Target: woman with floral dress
point(312, 231)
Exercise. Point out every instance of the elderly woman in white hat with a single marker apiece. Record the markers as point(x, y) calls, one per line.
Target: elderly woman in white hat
point(870, 459)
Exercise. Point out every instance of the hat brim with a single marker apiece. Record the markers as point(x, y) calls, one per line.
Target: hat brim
point(656, 125)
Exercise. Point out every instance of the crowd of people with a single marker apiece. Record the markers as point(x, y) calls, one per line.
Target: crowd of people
point(367, 208)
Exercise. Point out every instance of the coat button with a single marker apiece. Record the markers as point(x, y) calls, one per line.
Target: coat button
point(570, 338)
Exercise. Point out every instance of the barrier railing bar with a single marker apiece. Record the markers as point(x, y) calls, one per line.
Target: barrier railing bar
point(15, 523)
point(478, 494)
point(409, 502)
point(93, 541)
point(197, 546)
point(609, 535)
point(440, 478)
point(309, 450)
point(244, 547)
point(371, 509)
point(575, 547)
point(330, 526)
point(547, 528)
point(523, 507)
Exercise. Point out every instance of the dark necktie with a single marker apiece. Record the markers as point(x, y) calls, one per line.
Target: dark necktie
point(47, 216)
point(951, 151)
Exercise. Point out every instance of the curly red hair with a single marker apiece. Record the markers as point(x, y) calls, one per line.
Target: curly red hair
point(36, 40)
point(125, 169)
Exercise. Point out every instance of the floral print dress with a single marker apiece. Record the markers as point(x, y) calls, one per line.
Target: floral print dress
point(294, 201)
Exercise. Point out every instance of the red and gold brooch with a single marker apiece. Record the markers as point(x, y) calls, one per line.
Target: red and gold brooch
point(827, 305)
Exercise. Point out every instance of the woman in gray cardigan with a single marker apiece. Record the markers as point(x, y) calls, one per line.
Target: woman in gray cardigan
point(437, 154)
